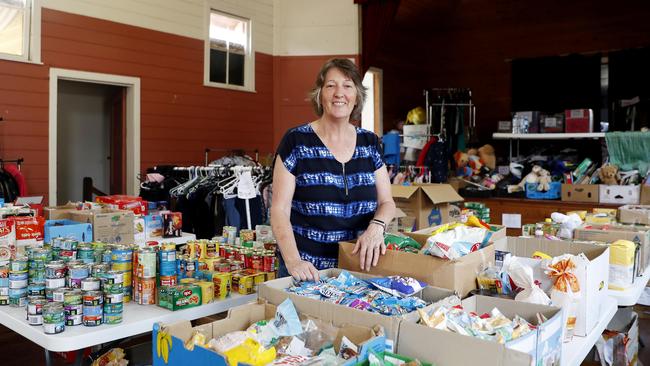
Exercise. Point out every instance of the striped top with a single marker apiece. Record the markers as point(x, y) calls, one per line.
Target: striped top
point(332, 201)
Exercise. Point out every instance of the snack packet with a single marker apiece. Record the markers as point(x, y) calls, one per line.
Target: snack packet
point(401, 243)
point(398, 285)
point(286, 319)
point(455, 243)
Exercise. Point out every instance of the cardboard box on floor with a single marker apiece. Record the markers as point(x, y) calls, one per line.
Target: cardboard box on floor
point(274, 293)
point(109, 226)
point(428, 203)
point(611, 232)
point(441, 347)
point(458, 275)
point(593, 280)
point(239, 319)
point(581, 193)
point(634, 214)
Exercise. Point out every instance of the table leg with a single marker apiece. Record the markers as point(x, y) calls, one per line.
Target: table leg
point(48, 357)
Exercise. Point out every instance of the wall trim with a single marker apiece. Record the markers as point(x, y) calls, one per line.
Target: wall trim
point(132, 158)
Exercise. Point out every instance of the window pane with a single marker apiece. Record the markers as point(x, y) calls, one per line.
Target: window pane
point(217, 66)
point(236, 69)
point(228, 28)
point(11, 27)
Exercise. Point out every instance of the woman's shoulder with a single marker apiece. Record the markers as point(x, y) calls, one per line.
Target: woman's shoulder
point(367, 135)
point(298, 135)
point(301, 129)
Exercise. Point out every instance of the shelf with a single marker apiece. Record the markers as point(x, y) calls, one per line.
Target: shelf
point(574, 352)
point(631, 296)
point(546, 136)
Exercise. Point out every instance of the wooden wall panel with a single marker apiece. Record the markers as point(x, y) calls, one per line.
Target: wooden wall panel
point(179, 116)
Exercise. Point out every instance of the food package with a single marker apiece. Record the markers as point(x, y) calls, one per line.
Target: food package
point(494, 281)
point(454, 241)
point(565, 291)
point(401, 243)
point(398, 285)
point(621, 264)
point(521, 275)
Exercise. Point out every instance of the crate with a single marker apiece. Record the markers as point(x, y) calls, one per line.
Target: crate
point(554, 193)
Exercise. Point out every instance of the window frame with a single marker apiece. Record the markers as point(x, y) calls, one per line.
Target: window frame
point(31, 35)
point(249, 57)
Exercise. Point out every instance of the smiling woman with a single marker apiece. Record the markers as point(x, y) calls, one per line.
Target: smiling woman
point(330, 183)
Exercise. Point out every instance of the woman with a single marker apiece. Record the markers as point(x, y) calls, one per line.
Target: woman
point(329, 182)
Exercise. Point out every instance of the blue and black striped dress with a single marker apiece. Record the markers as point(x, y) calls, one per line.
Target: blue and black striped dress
point(333, 201)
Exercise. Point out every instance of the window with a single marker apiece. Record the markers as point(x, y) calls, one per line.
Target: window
point(15, 29)
point(229, 57)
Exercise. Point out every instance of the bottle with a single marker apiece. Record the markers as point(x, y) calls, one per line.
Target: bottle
point(539, 230)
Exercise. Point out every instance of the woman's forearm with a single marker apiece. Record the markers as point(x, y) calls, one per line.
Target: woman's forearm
point(385, 211)
point(284, 235)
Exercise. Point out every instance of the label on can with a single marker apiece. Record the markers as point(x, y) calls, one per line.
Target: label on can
point(17, 283)
point(4, 291)
point(93, 310)
point(35, 319)
point(54, 283)
point(114, 308)
point(92, 321)
point(73, 320)
point(71, 310)
point(90, 284)
point(114, 298)
point(58, 295)
point(93, 298)
point(112, 318)
point(53, 328)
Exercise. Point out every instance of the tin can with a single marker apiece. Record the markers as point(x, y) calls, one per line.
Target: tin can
point(168, 280)
point(187, 281)
point(246, 235)
point(4, 282)
point(121, 253)
point(54, 283)
point(37, 264)
point(128, 294)
point(99, 268)
point(58, 295)
point(236, 266)
point(222, 283)
point(230, 233)
point(90, 284)
point(114, 308)
point(222, 250)
point(107, 256)
point(211, 249)
point(73, 320)
point(53, 318)
point(4, 300)
point(92, 320)
point(268, 259)
point(41, 254)
point(113, 277)
point(257, 262)
point(35, 319)
point(122, 266)
point(69, 244)
point(112, 318)
point(36, 275)
point(18, 265)
point(67, 255)
point(36, 289)
point(72, 310)
point(16, 284)
point(35, 306)
point(72, 297)
point(56, 242)
point(146, 267)
point(74, 282)
point(145, 293)
point(86, 253)
point(114, 297)
point(55, 269)
point(92, 298)
point(79, 271)
point(18, 302)
point(18, 292)
point(223, 266)
point(55, 254)
point(167, 262)
point(4, 271)
point(4, 291)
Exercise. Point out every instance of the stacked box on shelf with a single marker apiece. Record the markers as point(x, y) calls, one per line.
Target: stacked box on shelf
point(480, 209)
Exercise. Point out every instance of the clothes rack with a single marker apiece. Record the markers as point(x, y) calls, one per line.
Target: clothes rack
point(233, 151)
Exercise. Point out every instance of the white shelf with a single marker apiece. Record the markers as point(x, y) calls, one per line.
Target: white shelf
point(574, 352)
point(546, 136)
point(137, 319)
point(631, 296)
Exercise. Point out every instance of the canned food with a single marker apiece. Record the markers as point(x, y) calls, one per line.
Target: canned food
point(168, 280)
point(222, 284)
point(72, 310)
point(35, 319)
point(93, 310)
point(86, 253)
point(146, 259)
point(127, 278)
point(92, 298)
point(74, 262)
point(4, 272)
point(55, 270)
point(114, 297)
point(53, 318)
point(18, 265)
point(69, 244)
point(21, 275)
point(230, 233)
point(107, 256)
point(40, 255)
point(4, 300)
point(92, 321)
point(122, 266)
point(37, 264)
point(16, 284)
point(79, 271)
point(74, 282)
point(90, 284)
point(54, 283)
point(72, 297)
point(112, 318)
point(35, 306)
point(56, 242)
point(4, 291)
point(211, 249)
point(73, 320)
point(114, 308)
point(18, 292)
point(36, 289)
point(223, 266)
point(167, 262)
point(187, 281)
point(145, 293)
point(100, 268)
point(4, 282)
point(113, 277)
point(67, 255)
point(121, 253)
point(246, 235)
point(58, 295)
point(236, 266)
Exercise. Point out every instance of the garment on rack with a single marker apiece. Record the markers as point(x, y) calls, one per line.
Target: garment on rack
point(391, 148)
point(9, 189)
point(18, 176)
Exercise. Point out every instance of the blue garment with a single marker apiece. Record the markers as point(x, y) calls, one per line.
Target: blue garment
point(332, 201)
point(232, 215)
point(391, 148)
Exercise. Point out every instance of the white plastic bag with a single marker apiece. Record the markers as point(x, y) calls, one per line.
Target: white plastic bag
point(522, 275)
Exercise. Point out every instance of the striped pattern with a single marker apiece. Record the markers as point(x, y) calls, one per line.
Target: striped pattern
point(322, 212)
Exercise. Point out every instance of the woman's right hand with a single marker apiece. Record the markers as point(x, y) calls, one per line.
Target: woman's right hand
point(302, 270)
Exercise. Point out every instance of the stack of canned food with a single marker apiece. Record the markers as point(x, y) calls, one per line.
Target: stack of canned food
point(18, 280)
point(144, 276)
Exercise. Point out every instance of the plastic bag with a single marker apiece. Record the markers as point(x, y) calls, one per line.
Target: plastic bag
point(401, 243)
point(456, 242)
point(286, 319)
point(522, 276)
point(492, 280)
point(398, 285)
point(565, 291)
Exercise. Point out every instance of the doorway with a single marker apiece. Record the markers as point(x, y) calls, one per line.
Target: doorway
point(94, 131)
point(90, 137)
point(372, 113)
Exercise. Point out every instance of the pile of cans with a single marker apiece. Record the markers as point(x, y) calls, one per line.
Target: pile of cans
point(144, 276)
point(17, 282)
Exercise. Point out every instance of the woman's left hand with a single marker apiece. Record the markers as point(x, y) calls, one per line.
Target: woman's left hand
point(370, 246)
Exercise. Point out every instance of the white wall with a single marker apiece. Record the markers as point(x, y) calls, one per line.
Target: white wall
point(83, 118)
point(315, 27)
point(181, 17)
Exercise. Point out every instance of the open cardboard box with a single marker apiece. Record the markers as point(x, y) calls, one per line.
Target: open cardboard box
point(458, 275)
point(274, 292)
point(634, 214)
point(445, 348)
point(588, 193)
point(593, 280)
point(239, 319)
point(428, 203)
point(109, 226)
point(609, 233)
point(401, 223)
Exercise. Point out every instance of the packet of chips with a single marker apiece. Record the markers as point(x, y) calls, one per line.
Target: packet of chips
point(401, 243)
point(398, 285)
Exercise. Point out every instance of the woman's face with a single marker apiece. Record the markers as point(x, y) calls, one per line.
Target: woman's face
point(338, 95)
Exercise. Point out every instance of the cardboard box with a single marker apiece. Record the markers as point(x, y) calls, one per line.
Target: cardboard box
point(645, 194)
point(620, 340)
point(274, 292)
point(59, 212)
point(401, 223)
point(578, 120)
point(589, 193)
point(421, 236)
point(139, 235)
point(441, 347)
point(620, 194)
point(593, 279)
point(428, 203)
point(458, 275)
point(634, 214)
point(109, 226)
point(239, 319)
point(82, 232)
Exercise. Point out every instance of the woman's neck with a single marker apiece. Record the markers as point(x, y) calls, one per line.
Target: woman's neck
point(332, 128)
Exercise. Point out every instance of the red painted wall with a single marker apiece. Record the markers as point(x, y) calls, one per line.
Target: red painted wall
point(179, 116)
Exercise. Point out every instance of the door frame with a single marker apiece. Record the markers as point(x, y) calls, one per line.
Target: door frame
point(132, 157)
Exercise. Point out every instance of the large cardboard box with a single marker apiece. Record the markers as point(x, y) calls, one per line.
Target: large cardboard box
point(589, 193)
point(428, 203)
point(109, 226)
point(458, 275)
point(59, 212)
point(634, 214)
point(421, 236)
point(445, 348)
point(274, 292)
point(611, 232)
point(401, 223)
point(593, 280)
point(623, 195)
point(82, 232)
point(239, 319)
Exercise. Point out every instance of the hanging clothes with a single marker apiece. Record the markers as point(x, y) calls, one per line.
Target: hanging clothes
point(18, 176)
